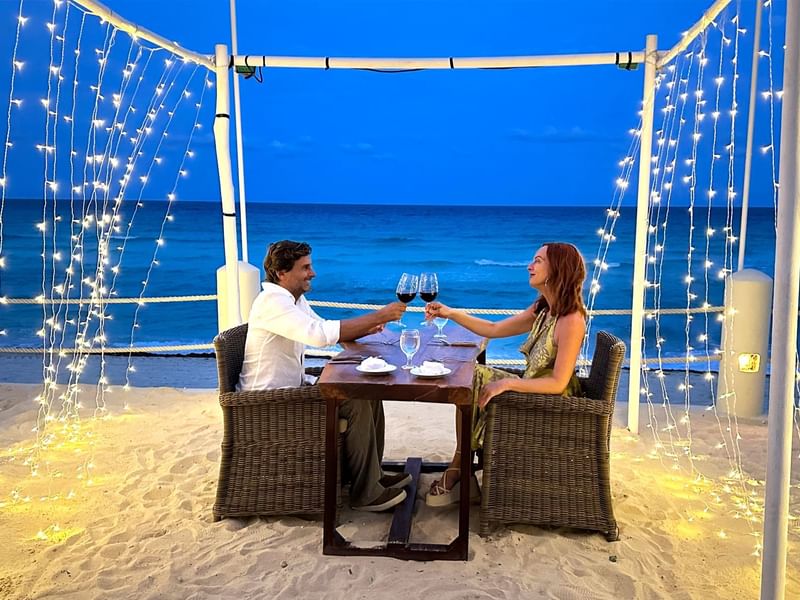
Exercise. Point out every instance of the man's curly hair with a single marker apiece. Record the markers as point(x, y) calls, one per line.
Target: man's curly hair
point(281, 256)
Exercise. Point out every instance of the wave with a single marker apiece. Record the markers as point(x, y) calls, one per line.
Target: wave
point(485, 262)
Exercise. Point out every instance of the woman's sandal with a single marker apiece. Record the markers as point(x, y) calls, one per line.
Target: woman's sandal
point(441, 496)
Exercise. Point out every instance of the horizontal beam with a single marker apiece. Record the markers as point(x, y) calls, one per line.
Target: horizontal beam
point(400, 64)
point(123, 24)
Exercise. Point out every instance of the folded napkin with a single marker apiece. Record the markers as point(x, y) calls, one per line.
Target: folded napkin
point(373, 363)
point(429, 367)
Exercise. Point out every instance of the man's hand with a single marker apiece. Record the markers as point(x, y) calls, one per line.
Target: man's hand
point(437, 309)
point(371, 322)
point(391, 312)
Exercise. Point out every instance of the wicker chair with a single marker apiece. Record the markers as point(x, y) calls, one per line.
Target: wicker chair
point(273, 445)
point(546, 457)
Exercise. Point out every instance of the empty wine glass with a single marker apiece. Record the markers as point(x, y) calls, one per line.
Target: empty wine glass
point(440, 322)
point(409, 344)
point(428, 289)
point(406, 290)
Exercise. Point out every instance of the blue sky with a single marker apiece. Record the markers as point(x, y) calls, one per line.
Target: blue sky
point(529, 136)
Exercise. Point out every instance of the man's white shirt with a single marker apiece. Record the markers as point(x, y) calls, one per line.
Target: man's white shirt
point(279, 329)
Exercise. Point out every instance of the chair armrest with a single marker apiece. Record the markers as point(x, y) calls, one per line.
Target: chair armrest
point(315, 371)
point(306, 393)
point(554, 403)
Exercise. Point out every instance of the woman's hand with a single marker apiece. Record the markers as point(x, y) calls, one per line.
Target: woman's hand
point(376, 329)
point(492, 389)
point(437, 309)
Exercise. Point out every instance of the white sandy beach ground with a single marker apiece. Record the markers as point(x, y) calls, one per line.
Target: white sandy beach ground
point(143, 528)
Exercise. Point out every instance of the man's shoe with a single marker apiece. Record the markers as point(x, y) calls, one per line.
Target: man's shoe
point(388, 499)
point(395, 480)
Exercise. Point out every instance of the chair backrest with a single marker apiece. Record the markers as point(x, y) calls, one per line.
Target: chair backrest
point(229, 347)
point(603, 380)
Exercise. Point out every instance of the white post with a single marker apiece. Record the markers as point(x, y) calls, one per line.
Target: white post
point(222, 125)
point(640, 247)
point(784, 323)
point(751, 120)
point(239, 143)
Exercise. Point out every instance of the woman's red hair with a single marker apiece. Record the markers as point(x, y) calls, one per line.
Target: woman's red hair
point(567, 272)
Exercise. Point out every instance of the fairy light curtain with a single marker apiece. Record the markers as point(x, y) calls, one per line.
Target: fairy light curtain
point(111, 124)
point(694, 211)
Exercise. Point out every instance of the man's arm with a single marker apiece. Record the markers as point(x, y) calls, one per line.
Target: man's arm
point(352, 329)
point(281, 316)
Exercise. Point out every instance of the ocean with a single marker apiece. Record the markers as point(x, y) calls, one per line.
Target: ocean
point(480, 254)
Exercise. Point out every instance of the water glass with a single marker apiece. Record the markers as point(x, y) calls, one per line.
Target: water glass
point(409, 344)
point(440, 322)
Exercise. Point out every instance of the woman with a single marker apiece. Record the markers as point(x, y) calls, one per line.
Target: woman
point(557, 325)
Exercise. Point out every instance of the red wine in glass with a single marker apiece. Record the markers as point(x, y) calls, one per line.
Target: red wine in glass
point(406, 291)
point(428, 289)
point(405, 298)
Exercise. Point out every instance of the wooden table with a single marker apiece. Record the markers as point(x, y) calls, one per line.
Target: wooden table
point(340, 382)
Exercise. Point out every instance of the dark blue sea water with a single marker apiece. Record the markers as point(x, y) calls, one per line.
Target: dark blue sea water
point(479, 252)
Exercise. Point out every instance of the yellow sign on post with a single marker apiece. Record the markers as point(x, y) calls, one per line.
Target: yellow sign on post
point(749, 363)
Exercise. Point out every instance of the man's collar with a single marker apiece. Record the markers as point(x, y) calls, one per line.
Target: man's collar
point(268, 286)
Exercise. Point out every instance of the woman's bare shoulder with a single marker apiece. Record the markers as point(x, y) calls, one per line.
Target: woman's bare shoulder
point(571, 322)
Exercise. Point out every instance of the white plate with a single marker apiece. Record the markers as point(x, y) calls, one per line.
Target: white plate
point(416, 371)
point(381, 371)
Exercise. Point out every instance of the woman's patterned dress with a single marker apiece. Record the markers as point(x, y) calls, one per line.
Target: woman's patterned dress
point(540, 351)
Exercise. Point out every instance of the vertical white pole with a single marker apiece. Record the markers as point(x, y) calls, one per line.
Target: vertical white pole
point(640, 248)
point(222, 126)
point(751, 119)
point(239, 143)
point(784, 323)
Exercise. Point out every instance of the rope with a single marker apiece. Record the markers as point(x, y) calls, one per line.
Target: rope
point(41, 300)
point(351, 305)
point(190, 347)
point(317, 354)
point(127, 350)
point(510, 311)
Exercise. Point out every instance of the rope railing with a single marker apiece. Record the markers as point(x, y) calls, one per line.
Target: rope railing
point(323, 304)
point(348, 305)
point(156, 299)
point(109, 350)
point(315, 354)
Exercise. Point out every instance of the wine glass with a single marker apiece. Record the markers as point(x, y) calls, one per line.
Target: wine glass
point(428, 289)
point(407, 290)
point(409, 344)
point(440, 322)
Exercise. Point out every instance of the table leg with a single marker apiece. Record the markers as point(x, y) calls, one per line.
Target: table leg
point(331, 462)
point(465, 444)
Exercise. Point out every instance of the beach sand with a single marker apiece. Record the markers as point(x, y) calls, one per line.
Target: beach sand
point(126, 513)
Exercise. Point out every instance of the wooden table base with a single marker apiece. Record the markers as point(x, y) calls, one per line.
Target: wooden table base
point(398, 545)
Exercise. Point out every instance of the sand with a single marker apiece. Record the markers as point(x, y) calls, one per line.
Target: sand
point(126, 513)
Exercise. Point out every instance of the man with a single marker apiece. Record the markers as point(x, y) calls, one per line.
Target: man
point(281, 325)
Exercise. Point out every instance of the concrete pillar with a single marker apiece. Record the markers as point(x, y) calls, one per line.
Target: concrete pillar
point(745, 343)
point(249, 278)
